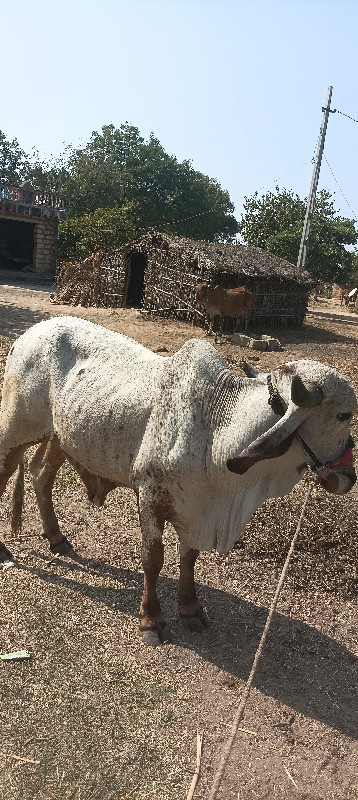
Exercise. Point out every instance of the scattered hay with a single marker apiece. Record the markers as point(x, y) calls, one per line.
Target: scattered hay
point(78, 283)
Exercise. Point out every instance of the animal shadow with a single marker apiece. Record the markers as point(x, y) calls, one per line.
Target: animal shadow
point(300, 666)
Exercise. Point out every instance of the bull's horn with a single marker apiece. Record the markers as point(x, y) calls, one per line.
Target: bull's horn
point(249, 370)
point(305, 397)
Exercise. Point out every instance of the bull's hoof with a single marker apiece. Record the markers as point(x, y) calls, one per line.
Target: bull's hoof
point(6, 557)
point(63, 548)
point(152, 637)
point(198, 623)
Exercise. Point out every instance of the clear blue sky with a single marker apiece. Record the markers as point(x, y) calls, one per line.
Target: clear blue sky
point(237, 86)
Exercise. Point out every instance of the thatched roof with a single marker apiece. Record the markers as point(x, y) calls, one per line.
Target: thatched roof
point(234, 258)
point(159, 272)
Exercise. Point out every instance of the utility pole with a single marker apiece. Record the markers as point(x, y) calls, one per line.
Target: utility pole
point(314, 182)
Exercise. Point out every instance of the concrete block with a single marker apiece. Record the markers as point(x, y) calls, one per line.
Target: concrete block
point(258, 344)
point(240, 339)
point(273, 344)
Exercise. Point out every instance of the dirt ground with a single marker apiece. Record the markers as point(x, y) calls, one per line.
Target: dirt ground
point(94, 714)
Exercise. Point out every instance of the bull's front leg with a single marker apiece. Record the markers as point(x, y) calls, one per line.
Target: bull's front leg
point(152, 518)
point(190, 610)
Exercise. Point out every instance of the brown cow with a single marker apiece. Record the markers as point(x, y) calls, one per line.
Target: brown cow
point(224, 303)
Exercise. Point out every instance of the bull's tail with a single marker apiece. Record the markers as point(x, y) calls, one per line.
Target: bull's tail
point(18, 499)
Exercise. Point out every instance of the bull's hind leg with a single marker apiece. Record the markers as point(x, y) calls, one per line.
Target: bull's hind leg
point(44, 467)
point(190, 610)
point(10, 464)
point(219, 334)
point(152, 518)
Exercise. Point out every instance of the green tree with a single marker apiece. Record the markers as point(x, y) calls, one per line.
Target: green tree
point(118, 166)
point(352, 277)
point(13, 161)
point(103, 229)
point(51, 175)
point(119, 169)
point(16, 166)
point(275, 220)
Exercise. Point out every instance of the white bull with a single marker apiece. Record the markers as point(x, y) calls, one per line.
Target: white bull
point(199, 446)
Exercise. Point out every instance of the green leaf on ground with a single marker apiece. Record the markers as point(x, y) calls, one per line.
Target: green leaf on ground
point(18, 655)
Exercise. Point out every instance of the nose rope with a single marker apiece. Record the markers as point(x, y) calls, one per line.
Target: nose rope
point(318, 465)
point(226, 751)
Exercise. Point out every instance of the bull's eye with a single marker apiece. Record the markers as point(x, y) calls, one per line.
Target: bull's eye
point(344, 417)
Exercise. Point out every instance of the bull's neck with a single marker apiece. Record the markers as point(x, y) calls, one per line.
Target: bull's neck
point(224, 397)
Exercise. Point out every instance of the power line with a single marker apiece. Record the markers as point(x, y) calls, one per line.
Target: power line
point(275, 180)
point(345, 115)
point(215, 210)
point(341, 191)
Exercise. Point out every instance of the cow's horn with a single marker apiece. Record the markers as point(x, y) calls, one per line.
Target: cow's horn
point(249, 370)
point(305, 397)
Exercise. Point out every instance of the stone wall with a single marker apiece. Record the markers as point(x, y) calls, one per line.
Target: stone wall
point(45, 240)
point(45, 245)
point(43, 210)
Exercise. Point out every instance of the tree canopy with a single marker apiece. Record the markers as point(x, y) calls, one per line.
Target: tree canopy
point(103, 229)
point(13, 161)
point(118, 166)
point(119, 185)
point(275, 220)
point(352, 277)
point(118, 169)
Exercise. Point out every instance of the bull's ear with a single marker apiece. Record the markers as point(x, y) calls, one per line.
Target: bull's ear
point(272, 444)
point(305, 395)
point(242, 463)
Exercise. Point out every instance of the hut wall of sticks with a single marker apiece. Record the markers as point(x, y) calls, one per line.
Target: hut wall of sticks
point(159, 272)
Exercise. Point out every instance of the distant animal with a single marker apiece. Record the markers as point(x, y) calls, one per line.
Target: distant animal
point(200, 447)
point(351, 298)
point(222, 302)
point(343, 294)
point(316, 290)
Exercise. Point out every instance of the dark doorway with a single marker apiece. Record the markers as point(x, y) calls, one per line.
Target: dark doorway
point(16, 244)
point(135, 280)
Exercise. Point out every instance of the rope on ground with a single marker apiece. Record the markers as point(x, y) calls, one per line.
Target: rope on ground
point(199, 742)
point(241, 709)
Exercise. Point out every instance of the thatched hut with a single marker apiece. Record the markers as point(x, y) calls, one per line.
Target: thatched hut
point(158, 273)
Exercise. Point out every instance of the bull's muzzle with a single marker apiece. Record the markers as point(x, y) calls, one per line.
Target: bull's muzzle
point(337, 481)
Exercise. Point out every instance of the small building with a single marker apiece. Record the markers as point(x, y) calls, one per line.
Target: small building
point(158, 273)
point(28, 229)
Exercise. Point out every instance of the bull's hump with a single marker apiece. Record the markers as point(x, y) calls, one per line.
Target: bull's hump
point(196, 350)
point(78, 329)
point(65, 334)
